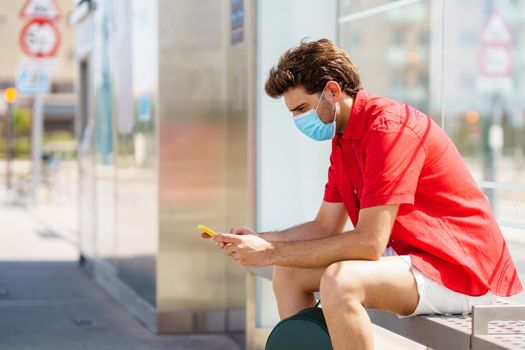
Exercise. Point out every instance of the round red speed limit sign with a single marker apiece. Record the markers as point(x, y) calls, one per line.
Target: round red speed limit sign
point(39, 38)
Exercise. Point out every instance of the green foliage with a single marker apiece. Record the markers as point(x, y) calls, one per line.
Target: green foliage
point(22, 148)
point(22, 121)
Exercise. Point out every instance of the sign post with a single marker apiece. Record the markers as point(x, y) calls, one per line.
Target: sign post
point(36, 136)
point(10, 96)
point(495, 65)
point(39, 39)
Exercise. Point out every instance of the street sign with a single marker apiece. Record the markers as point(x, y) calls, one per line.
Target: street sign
point(41, 9)
point(40, 38)
point(495, 57)
point(33, 82)
point(495, 60)
point(48, 64)
point(496, 31)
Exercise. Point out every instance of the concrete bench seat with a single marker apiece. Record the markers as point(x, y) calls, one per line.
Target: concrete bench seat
point(500, 326)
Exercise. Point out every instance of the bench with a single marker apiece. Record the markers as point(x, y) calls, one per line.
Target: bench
point(500, 326)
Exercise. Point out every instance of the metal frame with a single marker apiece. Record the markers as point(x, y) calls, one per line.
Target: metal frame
point(498, 335)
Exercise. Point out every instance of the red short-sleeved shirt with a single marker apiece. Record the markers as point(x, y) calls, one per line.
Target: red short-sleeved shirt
point(391, 153)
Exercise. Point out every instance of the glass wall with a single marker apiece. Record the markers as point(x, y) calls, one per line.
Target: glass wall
point(468, 75)
point(391, 45)
point(136, 147)
point(118, 153)
point(484, 99)
point(104, 166)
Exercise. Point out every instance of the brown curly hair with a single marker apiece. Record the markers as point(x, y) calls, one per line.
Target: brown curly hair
point(311, 65)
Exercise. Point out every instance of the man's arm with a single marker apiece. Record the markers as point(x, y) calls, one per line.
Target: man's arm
point(366, 242)
point(330, 220)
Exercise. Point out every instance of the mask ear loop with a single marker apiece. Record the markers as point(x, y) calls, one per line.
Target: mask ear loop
point(320, 97)
point(318, 102)
point(335, 112)
point(335, 122)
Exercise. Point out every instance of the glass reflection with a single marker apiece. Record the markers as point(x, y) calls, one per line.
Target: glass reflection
point(136, 159)
point(392, 50)
point(466, 73)
point(484, 105)
point(104, 167)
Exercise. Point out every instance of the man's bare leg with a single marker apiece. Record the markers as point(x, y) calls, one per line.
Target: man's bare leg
point(294, 288)
point(348, 287)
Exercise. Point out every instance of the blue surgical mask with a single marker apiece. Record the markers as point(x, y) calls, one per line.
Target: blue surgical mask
point(312, 126)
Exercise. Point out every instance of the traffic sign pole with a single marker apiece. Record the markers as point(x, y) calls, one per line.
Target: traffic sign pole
point(9, 145)
point(495, 65)
point(10, 96)
point(40, 39)
point(36, 144)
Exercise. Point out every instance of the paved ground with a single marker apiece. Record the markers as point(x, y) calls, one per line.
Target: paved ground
point(48, 302)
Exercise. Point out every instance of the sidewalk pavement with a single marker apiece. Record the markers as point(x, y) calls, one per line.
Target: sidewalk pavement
point(48, 302)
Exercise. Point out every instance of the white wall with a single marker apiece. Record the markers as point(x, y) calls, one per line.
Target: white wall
point(291, 169)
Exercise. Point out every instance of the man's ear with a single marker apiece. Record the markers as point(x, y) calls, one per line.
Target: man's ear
point(334, 90)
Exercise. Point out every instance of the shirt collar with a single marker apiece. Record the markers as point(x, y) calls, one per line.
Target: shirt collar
point(357, 122)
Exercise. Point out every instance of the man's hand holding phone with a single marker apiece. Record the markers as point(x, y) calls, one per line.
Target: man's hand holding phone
point(243, 244)
point(208, 233)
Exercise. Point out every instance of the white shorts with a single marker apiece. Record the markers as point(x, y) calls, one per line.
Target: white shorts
point(435, 298)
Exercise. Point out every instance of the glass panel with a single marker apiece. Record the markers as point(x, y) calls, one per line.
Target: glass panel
point(484, 98)
point(468, 75)
point(136, 144)
point(396, 52)
point(508, 203)
point(484, 105)
point(104, 168)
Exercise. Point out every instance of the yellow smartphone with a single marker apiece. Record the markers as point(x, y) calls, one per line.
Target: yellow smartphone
point(207, 230)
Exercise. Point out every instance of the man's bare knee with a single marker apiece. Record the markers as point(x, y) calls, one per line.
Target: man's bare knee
point(341, 283)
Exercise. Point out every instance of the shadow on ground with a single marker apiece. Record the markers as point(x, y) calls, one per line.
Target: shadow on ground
point(55, 305)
